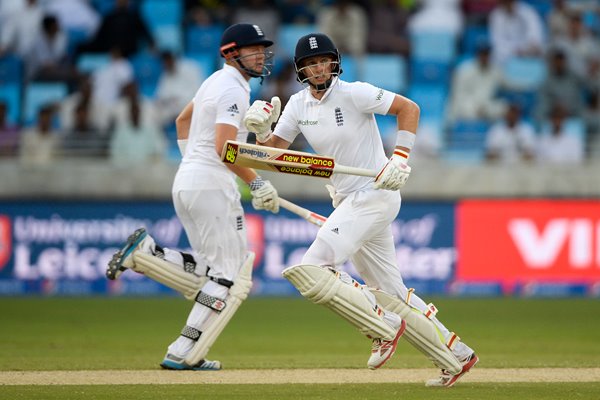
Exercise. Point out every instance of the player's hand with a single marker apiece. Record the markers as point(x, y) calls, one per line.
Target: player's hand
point(264, 195)
point(393, 175)
point(260, 116)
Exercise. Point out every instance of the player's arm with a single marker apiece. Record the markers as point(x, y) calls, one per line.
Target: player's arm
point(407, 116)
point(182, 124)
point(395, 173)
point(264, 195)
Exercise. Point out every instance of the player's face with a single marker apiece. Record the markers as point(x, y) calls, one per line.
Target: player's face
point(317, 69)
point(254, 57)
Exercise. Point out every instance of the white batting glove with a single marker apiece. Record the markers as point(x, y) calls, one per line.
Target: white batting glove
point(260, 116)
point(264, 195)
point(393, 175)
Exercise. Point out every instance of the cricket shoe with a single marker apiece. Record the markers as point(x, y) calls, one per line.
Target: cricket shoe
point(383, 350)
point(123, 258)
point(175, 363)
point(446, 379)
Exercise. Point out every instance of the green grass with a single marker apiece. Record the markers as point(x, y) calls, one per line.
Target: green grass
point(103, 333)
point(504, 391)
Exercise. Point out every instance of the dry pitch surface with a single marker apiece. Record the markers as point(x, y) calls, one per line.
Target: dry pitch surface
point(283, 376)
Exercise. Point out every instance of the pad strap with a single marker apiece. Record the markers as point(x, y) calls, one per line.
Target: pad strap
point(191, 333)
point(452, 340)
point(214, 303)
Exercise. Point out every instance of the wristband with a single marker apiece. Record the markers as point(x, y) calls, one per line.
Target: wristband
point(404, 139)
point(182, 144)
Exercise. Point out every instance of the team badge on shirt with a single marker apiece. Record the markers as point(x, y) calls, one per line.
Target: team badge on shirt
point(339, 117)
point(233, 109)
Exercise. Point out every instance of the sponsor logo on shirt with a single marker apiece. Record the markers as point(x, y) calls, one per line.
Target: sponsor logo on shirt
point(339, 118)
point(379, 95)
point(307, 122)
point(233, 109)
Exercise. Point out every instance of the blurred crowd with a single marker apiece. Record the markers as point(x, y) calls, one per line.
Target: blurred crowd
point(497, 80)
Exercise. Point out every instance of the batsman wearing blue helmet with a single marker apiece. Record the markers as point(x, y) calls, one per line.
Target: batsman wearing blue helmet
point(217, 275)
point(337, 119)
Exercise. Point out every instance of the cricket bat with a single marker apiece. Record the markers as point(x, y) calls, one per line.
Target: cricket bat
point(286, 161)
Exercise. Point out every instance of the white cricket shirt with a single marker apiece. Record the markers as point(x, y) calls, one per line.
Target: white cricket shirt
point(223, 98)
point(342, 125)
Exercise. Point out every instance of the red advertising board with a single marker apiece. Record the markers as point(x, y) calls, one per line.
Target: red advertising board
point(528, 241)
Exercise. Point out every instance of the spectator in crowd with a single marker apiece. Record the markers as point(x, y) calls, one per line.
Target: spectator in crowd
point(19, 30)
point(296, 12)
point(99, 113)
point(124, 28)
point(560, 87)
point(516, 30)
point(206, 12)
point(592, 76)
point(556, 145)
point(177, 85)
point(475, 86)
point(388, 31)
point(84, 139)
point(109, 81)
point(476, 12)
point(47, 60)
point(137, 138)
point(558, 19)
point(591, 118)
point(512, 140)
point(75, 15)
point(346, 24)
point(40, 143)
point(9, 134)
point(261, 12)
point(438, 16)
point(578, 44)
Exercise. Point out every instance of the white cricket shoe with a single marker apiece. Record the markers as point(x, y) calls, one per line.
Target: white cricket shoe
point(175, 363)
point(383, 350)
point(123, 258)
point(446, 379)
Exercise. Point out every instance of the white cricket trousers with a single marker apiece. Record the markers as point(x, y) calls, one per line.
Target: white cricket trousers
point(360, 230)
point(209, 208)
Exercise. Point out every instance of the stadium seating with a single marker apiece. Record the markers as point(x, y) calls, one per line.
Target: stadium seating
point(203, 39)
point(38, 95)
point(433, 46)
point(168, 37)
point(90, 62)
point(431, 99)
point(162, 12)
point(386, 71)
point(466, 141)
point(11, 74)
point(288, 37)
point(474, 36)
point(147, 69)
point(524, 73)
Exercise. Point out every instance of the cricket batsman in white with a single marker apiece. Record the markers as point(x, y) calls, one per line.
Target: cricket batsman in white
point(217, 275)
point(337, 119)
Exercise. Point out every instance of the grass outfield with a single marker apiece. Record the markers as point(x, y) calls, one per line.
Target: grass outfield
point(132, 334)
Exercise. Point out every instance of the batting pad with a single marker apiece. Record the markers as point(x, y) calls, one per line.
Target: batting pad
point(237, 294)
point(169, 274)
point(421, 332)
point(324, 286)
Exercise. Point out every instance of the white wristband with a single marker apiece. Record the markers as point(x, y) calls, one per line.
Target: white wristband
point(405, 139)
point(182, 144)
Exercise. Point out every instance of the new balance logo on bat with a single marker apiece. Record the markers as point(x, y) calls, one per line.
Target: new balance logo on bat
point(233, 109)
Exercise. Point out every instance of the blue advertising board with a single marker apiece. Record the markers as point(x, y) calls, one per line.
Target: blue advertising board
point(62, 248)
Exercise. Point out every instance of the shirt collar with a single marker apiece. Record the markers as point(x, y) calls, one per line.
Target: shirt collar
point(237, 75)
point(311, 99)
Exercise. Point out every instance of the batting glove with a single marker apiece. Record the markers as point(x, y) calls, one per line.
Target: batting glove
point(393, 175)
point(260, 116)
point(264, 195)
